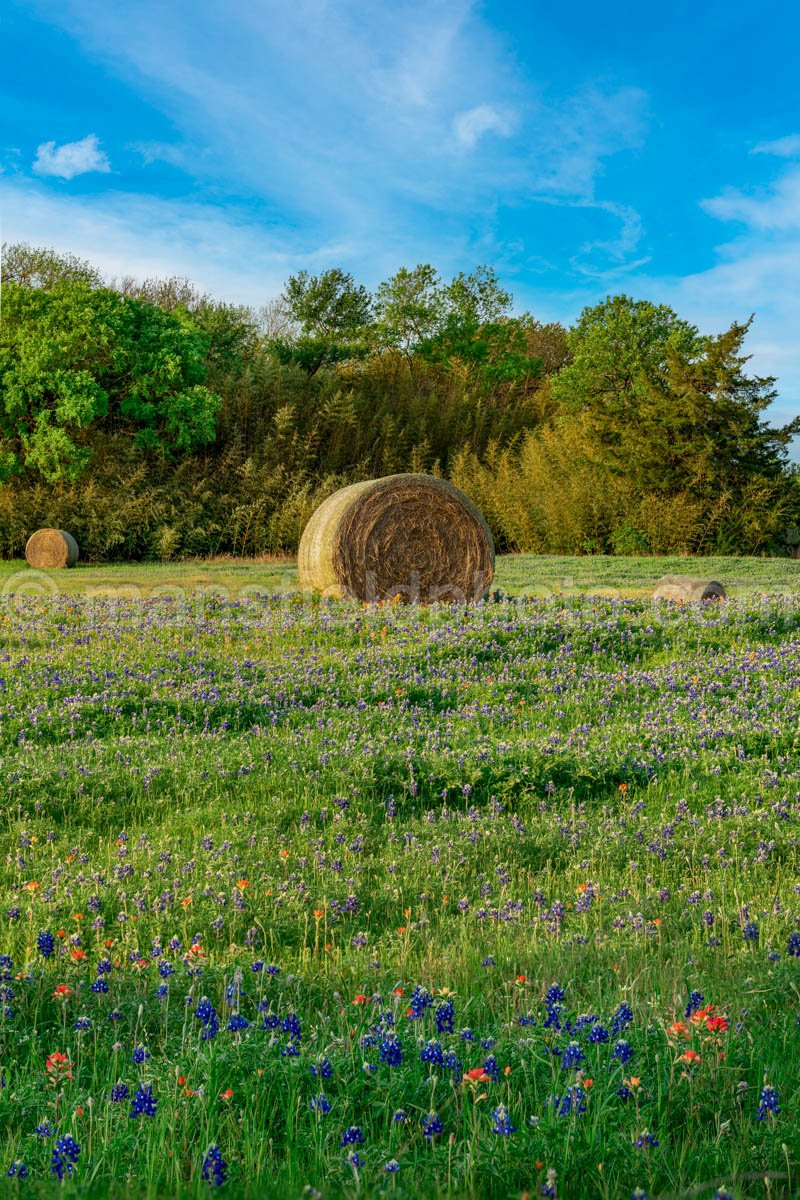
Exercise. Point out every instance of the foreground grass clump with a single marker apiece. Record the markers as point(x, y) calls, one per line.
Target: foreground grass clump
point(387, 900)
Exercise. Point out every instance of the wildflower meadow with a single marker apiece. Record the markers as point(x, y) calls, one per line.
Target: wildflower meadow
point(309, 899)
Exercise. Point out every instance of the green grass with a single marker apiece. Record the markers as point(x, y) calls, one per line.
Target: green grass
point(517, 574)
point(592, 793)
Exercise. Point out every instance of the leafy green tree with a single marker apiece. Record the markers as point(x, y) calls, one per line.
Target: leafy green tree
point(415, 307)
point(77, 358)
point(666, 408)
point(408, 307)
point(36, 266)
point(330, 305)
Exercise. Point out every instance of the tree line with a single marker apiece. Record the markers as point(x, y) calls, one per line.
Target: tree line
point(155, 422)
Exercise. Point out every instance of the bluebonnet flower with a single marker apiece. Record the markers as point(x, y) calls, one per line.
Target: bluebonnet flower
point(598, 1034)
point(750, 931)
point(488, 961)
point(419, 1001)
point(165, 969)
point(399, 1116)
point(237, 1022)
point(555, 994)
point(83, 1024)
point(140, 1053)
point(207, 1014)
point(694, 1002)
point(793, 948)
point(453, 1063)
point(257, 966)
point(645, 1141)
point(623, 1051)
point(467, 1035)
point(320, 1104)
point(573, 1100)
point(572, 1056)
point(65, 1155)
point(292, 1026)
point(17, 1170)
point(391, 1051)
point(119, 1092)
point(355, 1160)
point(487, 1043)
point(444, 1017)
point(215, 1169)
point(502, 1121)
point(768, 1102)
point(290, 1050)
point(352, 1136)
point(321, 1069)
point(621, 1018)
point(143, 1103)
point(44, 1130)
point(491, 1066)
point(100, 986)
point(432, 1053)
point(46, 944)
point(431, 1126)
point(392, 1166)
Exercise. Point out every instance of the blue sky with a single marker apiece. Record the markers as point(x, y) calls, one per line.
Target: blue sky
point(581, 149)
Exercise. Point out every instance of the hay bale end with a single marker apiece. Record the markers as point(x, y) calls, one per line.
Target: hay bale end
point(416, 537)
point(51, 548)
point(687, 587)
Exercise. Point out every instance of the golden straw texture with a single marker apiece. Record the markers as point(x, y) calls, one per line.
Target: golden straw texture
point(686, 587)
point(51, 548)
point(415, 537)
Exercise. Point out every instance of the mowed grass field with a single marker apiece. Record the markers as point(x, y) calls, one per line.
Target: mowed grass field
point(516, 575)
point(306, 899)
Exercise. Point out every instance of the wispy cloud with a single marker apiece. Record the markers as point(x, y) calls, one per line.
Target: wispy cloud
point(71, 158)
point(785, 147)
point(776, 209)
point(415, 117)
point(471, 125)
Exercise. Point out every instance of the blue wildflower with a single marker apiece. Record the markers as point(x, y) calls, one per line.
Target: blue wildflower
point(621, 1018)
point(320, 1104)
point(143, 1103)
point(645, 1141)
point(214, 1167)
point(321, 1069)
point(502, 1121)
point(572, 1056)
point(391, 1051)
point(140, 1053)
point(352, 1136)
point(623, 1051)
point(17, 1170)
point(65, 1155)
point(768, 1102)
point(445, 1016)
point(431, 1126)
point(119, 1092)
point(392, 1166)
point(793, 948)
point(46, 944)
point(431, 1052)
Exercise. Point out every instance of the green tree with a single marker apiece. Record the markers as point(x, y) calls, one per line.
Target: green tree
point(77, 358)
point(36, 266)
point(330, 305)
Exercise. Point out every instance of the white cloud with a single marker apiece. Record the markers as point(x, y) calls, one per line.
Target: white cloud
point(71, 159)
point(471, 125)
point(776, 209)
point(785, 147)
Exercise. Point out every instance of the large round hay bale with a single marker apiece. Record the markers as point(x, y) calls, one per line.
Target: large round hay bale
point(686, 587)
point(51, 548)
point(415, 537)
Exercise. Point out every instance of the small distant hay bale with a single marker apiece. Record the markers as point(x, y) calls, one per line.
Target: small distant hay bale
point(686, 587)
point(51, 548)
point(414, 537)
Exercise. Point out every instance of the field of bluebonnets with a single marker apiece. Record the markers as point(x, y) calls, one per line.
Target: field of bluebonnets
point(313, 899)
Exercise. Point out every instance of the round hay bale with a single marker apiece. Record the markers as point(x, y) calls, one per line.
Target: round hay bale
point(686, 587)
point(51, 548)
point(415, 537)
